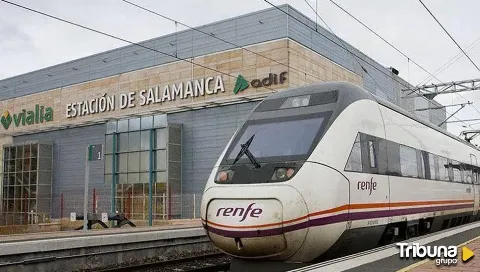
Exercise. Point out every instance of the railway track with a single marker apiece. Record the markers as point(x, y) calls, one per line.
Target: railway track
point(213, 262)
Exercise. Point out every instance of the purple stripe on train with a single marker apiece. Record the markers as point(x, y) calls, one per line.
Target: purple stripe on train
point(331, 220)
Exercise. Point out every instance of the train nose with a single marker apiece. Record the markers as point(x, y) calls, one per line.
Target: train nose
point(269, 225)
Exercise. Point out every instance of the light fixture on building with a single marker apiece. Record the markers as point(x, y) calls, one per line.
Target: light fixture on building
point(393, 70)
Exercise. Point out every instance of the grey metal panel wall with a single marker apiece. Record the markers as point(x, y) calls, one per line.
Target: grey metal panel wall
point(205, 135)
point(244, 30)
point(69, 167)
point(302, 30)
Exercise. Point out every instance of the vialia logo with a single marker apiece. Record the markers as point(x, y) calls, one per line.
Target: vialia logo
point(39, 115)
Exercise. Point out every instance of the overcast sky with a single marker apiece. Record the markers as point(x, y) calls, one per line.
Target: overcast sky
point(30, 41)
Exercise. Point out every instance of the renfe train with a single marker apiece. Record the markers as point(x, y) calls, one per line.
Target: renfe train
point(329, 169)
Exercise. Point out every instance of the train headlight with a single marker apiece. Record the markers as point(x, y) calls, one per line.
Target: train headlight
point(224, 176)
point(294, 102)
point(283, 173)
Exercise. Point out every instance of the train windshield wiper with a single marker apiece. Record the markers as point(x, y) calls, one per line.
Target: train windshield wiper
point(244, 150)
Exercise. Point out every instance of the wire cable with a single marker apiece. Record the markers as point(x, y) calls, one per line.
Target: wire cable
point(399, 51)
point(450, 35)
point(120, 39)
point(220, 39)
point(360, 64)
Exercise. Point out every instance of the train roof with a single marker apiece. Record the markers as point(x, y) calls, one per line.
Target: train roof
point(348, 93)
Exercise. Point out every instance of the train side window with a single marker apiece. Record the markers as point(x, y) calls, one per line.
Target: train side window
point(372, 154)
point(467, 174)
point(393, 159)
point(422, 170)
point(443, 169)
point(431, 166)
point(354, 162)
point(408, 161)
point(456, 171)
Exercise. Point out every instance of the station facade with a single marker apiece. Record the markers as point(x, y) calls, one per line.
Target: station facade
point(163, 113)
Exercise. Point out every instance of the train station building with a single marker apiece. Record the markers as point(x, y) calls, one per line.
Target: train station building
point(163, 112)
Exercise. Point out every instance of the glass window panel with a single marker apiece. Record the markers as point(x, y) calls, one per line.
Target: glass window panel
point(161, 138)
point(108, 179)
point(122, 178)
point(26, 151)
point(108, 144)
point(122, 142)
point(134, 162)
point(13, 153)
point(144, 161)
point(19, 152)
point(134, 124)
point(133, 178)
point(134, 141)
point(145, 140)
point(160, 121)
point(34, 150)
point(147, 122)
point(408, 161)
point(431, 162)
point(33, 178)
point(161, 160)
point(122, 163)
point(33, 163)
point(354, 162)
point(457, 174)
point(19, 165)
point(467, 175)
point(422, 167)
point(443, 169)
point(161, 177)
point(111, 127)
point(108, 164)
point(122, 126)
point(372, 153)
point(144, 177)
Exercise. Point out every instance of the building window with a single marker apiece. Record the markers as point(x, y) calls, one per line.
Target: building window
point(137, 149)
point(354, 162)
point(408, 161)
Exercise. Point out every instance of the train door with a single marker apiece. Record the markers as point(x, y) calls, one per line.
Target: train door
point(476, 187)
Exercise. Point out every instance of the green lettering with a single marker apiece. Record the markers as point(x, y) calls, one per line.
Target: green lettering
point(30, 117)
point(48, 114)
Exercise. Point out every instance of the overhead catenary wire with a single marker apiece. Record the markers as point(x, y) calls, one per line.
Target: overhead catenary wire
point(465, 53)
point(359, 62)
point(391, 45)
point(121, 39)
point(218, 38)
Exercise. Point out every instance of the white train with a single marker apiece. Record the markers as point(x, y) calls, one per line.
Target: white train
point(329, 169)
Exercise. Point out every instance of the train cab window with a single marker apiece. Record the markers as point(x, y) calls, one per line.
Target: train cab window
point(456, 171)
point(443, 169)
point(408, 161)
point(372, 154)
point(354, 162)
point(431, 164)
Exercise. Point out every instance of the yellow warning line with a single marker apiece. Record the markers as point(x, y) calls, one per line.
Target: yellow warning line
point(408, 268)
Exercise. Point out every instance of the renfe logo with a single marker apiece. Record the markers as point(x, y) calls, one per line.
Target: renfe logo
point(367, 185)
point(240, 212)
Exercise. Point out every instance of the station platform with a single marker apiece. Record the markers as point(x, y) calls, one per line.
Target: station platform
point(173, 224)
point(104, 248)
point(387, 258)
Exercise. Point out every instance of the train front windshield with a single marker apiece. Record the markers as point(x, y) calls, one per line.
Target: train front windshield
point(279, 139)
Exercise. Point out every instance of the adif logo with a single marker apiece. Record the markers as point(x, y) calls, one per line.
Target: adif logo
point(272, 79)
point(446, 255)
